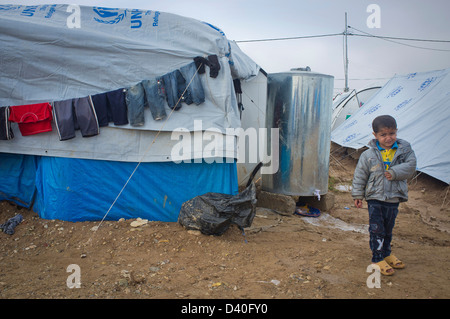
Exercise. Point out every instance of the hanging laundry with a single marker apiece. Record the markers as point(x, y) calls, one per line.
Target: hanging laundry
point(136, 102)
point(75, 114)
point(238, 91)
point(200, 63)
point(32, 118)
point(155, 96)
point(6, 132)
point(175, 87)
point(211, 61)
point(214, 66)
point(111, 107)
point(194, 83)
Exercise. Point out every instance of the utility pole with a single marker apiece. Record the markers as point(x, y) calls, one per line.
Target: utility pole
point(346, 55)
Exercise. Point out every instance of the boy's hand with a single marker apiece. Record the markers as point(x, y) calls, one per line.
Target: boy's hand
point(388, 176)
point(358, 203)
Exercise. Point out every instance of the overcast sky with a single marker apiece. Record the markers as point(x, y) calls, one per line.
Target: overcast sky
point(372, 59)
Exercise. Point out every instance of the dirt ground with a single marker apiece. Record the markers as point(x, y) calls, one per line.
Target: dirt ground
point(278, 257)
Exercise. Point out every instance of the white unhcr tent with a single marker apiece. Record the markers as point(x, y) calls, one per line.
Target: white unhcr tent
point(53, 53)
point(347, 103)
point(420, 102)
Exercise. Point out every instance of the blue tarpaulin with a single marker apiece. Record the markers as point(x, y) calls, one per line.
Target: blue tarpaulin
point(17, 178)
point(82, 190)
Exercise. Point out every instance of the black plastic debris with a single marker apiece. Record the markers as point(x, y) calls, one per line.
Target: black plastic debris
point(214, 213)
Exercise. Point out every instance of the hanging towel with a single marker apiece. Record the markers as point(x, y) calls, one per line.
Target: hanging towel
point(32, 118)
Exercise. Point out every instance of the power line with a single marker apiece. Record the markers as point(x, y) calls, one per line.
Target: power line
point(366, 34)
point(291, 38)
point(386, 38)
point(396, 38)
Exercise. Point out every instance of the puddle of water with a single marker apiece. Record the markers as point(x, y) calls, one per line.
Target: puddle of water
point(326, 220)
point(344, 188)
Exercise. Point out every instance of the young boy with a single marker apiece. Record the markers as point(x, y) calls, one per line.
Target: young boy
point(380, 178)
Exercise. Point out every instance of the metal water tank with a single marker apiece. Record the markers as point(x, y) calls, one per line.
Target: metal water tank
point(299, 104)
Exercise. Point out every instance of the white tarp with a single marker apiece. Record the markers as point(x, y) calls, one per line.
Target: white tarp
point(420, 102)
point(348, 103)
point(56, 52)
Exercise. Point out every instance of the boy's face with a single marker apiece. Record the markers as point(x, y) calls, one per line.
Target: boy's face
point(386, 137)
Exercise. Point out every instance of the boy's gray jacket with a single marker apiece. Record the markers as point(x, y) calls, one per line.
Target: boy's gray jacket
point(369, 181)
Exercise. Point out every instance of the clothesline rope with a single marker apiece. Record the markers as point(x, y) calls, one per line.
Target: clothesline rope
point(148, 149)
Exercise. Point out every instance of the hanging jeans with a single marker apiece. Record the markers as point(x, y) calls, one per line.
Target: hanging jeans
point(155, 97)
point(382, 217)
point(193, 82)
point(176, 93)
point(135, 98)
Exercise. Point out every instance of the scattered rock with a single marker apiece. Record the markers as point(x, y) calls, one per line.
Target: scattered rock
point(138, 222)
point(283, 204)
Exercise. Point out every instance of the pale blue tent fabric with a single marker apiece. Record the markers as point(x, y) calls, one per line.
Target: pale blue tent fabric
point(420, 102)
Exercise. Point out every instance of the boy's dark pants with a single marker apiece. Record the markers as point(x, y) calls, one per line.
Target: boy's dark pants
point(381, 222)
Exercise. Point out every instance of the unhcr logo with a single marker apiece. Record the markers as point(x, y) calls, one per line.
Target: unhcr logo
point(349, 138)
point(405, 102)
point(114, 16)
point(395, 91)
point(6, 7)
point(109, 15)
point(372, 109)
point(427, 83)
point(354, 122)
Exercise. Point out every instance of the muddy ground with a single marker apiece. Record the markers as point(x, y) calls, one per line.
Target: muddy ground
point(278, 257)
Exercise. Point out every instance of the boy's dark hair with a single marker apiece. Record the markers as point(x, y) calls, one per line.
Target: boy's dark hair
point(383, 121)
